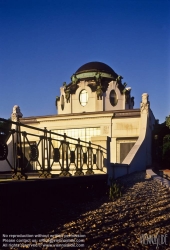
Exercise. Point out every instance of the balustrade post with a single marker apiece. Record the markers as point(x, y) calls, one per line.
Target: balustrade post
point(79, 161)
point(65, 166)
point(19, 170)
point(90, 160)
point(98, 157)
point(45, 157)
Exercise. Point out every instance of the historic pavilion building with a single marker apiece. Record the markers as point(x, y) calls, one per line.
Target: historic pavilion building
point(97, 106)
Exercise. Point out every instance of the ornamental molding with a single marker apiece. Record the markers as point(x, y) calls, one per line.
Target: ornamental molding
point(105, 129)
point(114, 115)
point(145, 104)
point(16, 114)
point(77, 118)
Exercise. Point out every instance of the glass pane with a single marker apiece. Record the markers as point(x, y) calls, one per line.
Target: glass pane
point(113, 97)
point(83, 97)
point(84, 134)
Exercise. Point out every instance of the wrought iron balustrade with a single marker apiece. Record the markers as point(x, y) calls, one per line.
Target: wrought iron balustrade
point(27, 149)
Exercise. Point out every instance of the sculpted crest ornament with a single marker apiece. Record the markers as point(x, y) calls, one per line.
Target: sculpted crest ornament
point(67, 92)
point(145, 104)
point(99, 92)
point(16, 114)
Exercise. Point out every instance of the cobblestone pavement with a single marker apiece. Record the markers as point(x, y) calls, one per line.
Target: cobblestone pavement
point(143, 208)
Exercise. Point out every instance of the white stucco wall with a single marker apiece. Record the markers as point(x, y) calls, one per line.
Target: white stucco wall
point(126, 127)
point(139, 156)
point(121, 98)
point(129, 127)
point(116, 128)
point(93, 104)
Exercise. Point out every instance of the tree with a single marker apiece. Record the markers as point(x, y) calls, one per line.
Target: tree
point(168, 121)
point(161, 145)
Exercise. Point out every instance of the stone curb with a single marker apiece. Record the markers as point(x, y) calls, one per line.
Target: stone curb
point(154, 176)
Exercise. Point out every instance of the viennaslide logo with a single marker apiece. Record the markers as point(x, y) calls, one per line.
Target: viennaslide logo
point(154, 239)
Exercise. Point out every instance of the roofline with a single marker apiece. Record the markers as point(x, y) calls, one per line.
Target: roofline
point(123, 113)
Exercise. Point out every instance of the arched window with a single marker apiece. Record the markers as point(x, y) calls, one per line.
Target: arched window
point(113, 98)
point(83, 97)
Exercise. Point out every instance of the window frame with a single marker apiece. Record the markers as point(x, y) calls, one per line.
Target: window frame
point(83, 97)
point(113, 99)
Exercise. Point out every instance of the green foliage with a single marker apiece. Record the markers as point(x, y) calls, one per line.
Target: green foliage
point(5, 125)
point(166, 139)
point(2, 126)
point(166, 149)
point(168, 121)
point(115, 190)
point(161, 146)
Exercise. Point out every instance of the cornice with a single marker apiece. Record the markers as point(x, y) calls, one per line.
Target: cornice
point(29, 121)
point(83, 113)
point(83, 116)
point(76, 118)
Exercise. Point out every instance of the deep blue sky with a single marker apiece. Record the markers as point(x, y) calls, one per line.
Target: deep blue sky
point(43, 42)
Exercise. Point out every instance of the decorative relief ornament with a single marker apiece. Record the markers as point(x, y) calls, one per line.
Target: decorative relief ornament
point(67, 95)
point(98, 78)
point(74, 79)
point(132, 101)
point(99, 92)
point(105, 130)
point(33, 152)
point(16, 114)
point(67, 92)
point(119, 80)
point(145, 104)
point(56, 100)
point(127, 97)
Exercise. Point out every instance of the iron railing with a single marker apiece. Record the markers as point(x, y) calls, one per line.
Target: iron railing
point(27, 150)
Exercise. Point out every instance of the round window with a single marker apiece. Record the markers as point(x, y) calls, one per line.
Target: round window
point(113, 97)
point(83, 97)
point(62, 102)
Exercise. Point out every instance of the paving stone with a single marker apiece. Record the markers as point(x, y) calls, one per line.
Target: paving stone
point(144, 207)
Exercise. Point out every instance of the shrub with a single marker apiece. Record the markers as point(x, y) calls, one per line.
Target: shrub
point(115, 190)
point(166, 150)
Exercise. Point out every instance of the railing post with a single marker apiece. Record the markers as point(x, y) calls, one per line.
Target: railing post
point(19, 173)
point(64, 148)
point(32, 151)
point(90, 159)
point(79, 161)
point(98, 157)
point(45, 157)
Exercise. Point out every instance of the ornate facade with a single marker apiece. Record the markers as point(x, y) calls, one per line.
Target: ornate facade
point(94, 87)
point(97, 106)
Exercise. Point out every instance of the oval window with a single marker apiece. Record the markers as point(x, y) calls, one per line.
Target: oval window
point(113, 97)
point(62, 102)
point(83, 97)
